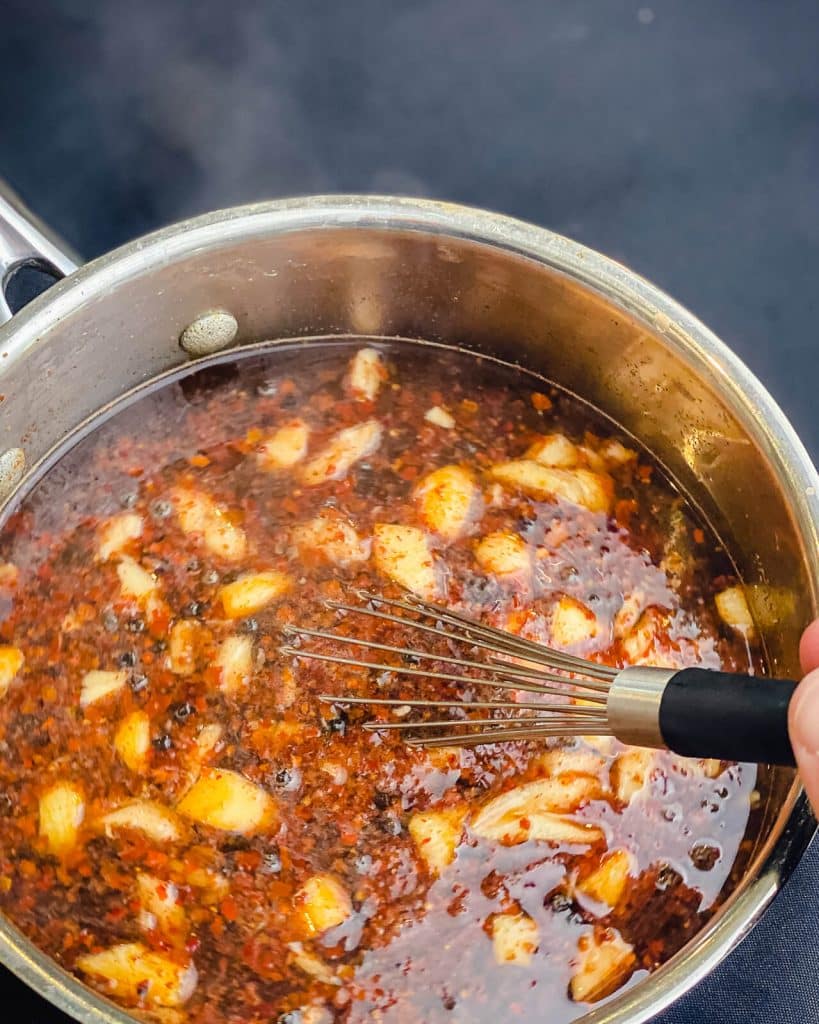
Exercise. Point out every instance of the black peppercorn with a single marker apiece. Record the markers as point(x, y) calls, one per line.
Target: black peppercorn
point(704, 856)
point(139, 683)
point(338, 723)
point(182, 710)
point(271, 862)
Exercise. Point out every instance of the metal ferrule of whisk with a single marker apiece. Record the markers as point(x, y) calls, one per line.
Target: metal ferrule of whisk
point(693, 711)
point(634, 704)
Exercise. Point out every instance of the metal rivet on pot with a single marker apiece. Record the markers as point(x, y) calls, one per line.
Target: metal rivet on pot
point(12, 467)
point(208, 333)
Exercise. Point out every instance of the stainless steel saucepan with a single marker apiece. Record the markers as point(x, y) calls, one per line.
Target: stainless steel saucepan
point(376, 266)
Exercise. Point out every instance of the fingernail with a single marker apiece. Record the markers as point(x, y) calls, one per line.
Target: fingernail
point(803, 716)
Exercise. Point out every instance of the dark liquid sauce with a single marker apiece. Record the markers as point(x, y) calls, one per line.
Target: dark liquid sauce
point(412, 946)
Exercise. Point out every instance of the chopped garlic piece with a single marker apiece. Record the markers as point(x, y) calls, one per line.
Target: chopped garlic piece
point(367, 374)
point(607, 883)
point(135, 974)
point(449, 501)
point(184, 644)
point(342, 452)
point(132, 740)
point(575, 761)
point(572, 623)
point(311, 964)
point(325, 903)
point(503, 553)
point(117, 533)
point(439, 417)
point(161, 908)
point(135, 582)
point(202, 518)
point(615, 453)
point(11, 661)
point(591, 459)
point(100, 683)
point(62, 809)
point(603, 963)
point(535, 811)
point(285, 448)
point(553, 450)
point(514, 939)
point(252, 592)
point(641, 638)
point(733, 609)
point(331, 538)
point(234, 660)
point(628, 614)
point(630, 772)
point(436, 835)
point(147, 816)
point(208, 739)
point(226, 800)
point(578, 486)
point(9, 574)
point(403, 554)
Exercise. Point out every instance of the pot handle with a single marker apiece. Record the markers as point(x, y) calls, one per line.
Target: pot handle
point(26, 241)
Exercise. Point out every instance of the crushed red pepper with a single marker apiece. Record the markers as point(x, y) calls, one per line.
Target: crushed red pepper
point(328, 905)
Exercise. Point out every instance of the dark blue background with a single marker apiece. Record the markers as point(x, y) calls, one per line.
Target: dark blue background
point(680, 137)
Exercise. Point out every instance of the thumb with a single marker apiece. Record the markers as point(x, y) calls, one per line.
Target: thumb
point(803, 723)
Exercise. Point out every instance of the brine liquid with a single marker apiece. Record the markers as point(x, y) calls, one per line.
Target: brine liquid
point(185, 825)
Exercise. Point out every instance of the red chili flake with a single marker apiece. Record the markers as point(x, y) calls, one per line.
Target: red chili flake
point(624, 511)
point(229, 909)
point(248, 860)
point(156, 859)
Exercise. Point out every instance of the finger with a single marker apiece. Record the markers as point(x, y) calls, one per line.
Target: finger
point(809, 647)
point(803, 723)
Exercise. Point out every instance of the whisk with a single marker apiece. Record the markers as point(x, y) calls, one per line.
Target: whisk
point(694, 712)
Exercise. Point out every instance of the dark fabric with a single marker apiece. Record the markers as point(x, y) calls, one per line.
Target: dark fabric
point(680, 136)
point(773, 976)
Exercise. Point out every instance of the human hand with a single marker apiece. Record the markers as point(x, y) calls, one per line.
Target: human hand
point(803, 715)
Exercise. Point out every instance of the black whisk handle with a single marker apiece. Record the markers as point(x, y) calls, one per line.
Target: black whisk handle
point(733, 717)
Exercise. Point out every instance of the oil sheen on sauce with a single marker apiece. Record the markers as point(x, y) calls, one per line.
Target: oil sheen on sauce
point(192, 833)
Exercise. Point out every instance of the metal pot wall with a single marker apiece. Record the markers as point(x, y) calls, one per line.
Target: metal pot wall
point(374, 266)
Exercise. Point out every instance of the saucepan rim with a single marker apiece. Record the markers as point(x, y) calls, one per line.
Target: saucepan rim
point(690, 340)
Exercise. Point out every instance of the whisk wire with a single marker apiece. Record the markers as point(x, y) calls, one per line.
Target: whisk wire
point(535, 669)
point(512, 671)
point(539, 654)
